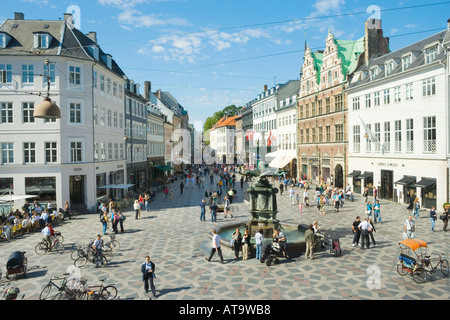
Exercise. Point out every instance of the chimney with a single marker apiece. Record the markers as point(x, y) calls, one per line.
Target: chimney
point(147, 90)
point(18, 16)
point(448, 24)
point(158, 93)
point(68, 17)
point(265, 87)
point(92, 35)
point(374, 42)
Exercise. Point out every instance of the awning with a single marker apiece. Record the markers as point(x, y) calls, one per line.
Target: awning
point(116, 186)
point(425, 183)
point(406, 181)
point(354, 174)
point(365, 175)
point(282, 159)
point(14, 197)
point(164, 168)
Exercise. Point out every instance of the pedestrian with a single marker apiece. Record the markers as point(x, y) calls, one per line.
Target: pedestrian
point(416, 208)
point(376, 212)
point(409, 228)
point(148, 274)
point(115, 221)
point(444, 217)
point(104, 221)
point(310, 242)
point(371, 230)
point(433, 218)
point(281, 189)
point(66, 210)
point(258, 242)
point(337, 201)
point(215, 246)
point(226, 207)
point(181, 187)
point(369, 210)
point(236, 240)
point(356, 231)
point(213, 208)
point(280, 239)
point(246, 245)
point(292, 195)
point(170, 193)
point(137, 209)
point(364, 229)
point(318, 234)
point(147, 202)
point(375, 194)
point(202, 210)
point(121, 220)
point(97, 245)
point(366, 194)
point(322, 204)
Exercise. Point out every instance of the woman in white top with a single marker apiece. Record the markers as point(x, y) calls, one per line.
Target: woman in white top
point(137, 209)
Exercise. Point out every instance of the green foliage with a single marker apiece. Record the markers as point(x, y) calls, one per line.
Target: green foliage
point(228, 110)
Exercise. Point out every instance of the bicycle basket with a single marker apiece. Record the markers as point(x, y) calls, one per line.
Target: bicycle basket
point(112, 236)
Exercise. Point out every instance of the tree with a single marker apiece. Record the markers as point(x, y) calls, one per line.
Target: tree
point(230, 110)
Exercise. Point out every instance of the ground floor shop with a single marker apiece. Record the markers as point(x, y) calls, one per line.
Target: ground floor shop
point(398, 180)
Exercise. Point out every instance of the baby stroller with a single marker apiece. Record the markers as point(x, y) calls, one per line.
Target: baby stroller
point(17, 264)
point(335, 247)
point(270, 253)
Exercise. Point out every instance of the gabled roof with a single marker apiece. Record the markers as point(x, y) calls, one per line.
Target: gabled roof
point(225, 122)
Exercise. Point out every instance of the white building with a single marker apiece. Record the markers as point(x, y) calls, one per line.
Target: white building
point(67, 159)
point(223, 140)
point(398, 124)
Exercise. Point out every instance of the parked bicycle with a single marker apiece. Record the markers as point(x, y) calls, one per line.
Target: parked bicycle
point(111, 246)
point(89, 255)
point(57, 245)
point(436, 259)
point(72, 213)
point(100, 292)
point(45, 293)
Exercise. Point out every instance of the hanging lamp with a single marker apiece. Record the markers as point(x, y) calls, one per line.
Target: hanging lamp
point(47, 109)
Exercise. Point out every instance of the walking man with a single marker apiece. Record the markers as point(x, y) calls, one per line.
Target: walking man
point(202, 210)
point(356, 231)
point(215, 246)
point(309, 239)
point(148, 274)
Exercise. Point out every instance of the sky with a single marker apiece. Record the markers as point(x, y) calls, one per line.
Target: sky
point(213, 53)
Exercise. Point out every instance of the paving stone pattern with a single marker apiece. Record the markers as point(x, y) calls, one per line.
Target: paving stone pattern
point(178, 242)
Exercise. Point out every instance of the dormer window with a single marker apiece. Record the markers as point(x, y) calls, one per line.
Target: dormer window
point(431, 53)
point(42, 40)
point(373, 73)
point(94, 51)
point(406, 61)
point(389, 67)
point(4, 39)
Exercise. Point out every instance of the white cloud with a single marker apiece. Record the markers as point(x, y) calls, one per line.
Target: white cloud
point(135, 19)
point(327, 6)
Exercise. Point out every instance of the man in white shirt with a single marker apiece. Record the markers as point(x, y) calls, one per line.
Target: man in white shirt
point(215, 247)
point(258, 242)
point(292, 195)
point(410, 228)
point(364, 228)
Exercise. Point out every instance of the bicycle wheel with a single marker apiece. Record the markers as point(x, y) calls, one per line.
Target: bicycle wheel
point(444, 267)
point(75, 254)
point(107, 250)
point(41, 248)
point(81, 261)
point(45, 292)
point(59, 247)
point(401, 269)
point(73, 214)
point(60, 238)
point(115, 245)
point(419, 275)
point(109, 292)
point(100, 261)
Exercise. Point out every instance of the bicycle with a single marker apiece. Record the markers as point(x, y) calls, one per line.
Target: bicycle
point(101, 293)
point(73, 290)
point(90, 255)
point(49, 286)
point(57, 245)
point(72, 214)
point(112, 246)
point(443, 263)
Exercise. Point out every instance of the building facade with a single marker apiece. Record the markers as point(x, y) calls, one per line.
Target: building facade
point(405, 153)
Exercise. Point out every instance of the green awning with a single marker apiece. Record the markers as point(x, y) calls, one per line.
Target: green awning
point(164, 168)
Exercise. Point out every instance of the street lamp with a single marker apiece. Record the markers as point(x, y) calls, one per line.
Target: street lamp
point(47, 109)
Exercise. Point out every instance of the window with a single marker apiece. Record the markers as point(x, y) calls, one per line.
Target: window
point(7, 152)
point(94, 79)
point(429, 86)
point(389, 67)
point(42, 40)
point(115, 119)
point(387, 96)
point(429, 134)
point(115, 89)
point(109, 118)
point(409, 135)
point(103, 151)
point(29, 152)
point(376, 99)
point(108, 85)
point(74, 76)
point(320, 136)
point(102, 82)
point(373, 73)
point(431, 54)
point(75, 113)
point(27, 112)
point(328, 133)
point(339, 132)
point(27, 73)
point(121, 120)
point(387, 136)
point(5, 73)
point(409, 91)
point(3, 40)
point(397, 94)
point(356, 139)
point(356, 104)
point(398, 136)
point(327, 105)
point(6, 112)
point(302, 140)
point(76, 151)
point(368, 141)
point(110, 151)
point(51, 155)
point(368, 100)
point(49, 71)
point(377, 137)
point(330, 78)
point(307, 140)
point(338, 103)
point(406, 62)
point(320, 106)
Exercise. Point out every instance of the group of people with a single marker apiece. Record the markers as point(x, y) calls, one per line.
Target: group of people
point(110, 214)
point(362, 231)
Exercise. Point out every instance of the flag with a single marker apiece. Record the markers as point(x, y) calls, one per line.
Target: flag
point(271, 139)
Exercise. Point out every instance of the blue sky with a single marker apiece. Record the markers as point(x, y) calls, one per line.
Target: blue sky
point(213, 53)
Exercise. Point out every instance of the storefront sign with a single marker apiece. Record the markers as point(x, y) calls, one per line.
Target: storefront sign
point(387, 164)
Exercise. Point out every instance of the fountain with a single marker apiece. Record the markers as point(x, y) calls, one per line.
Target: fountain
point(263, 209)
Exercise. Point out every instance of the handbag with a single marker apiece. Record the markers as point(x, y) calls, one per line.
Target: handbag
point(442, 217)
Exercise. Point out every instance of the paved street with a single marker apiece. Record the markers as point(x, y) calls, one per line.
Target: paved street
point(178, 242)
